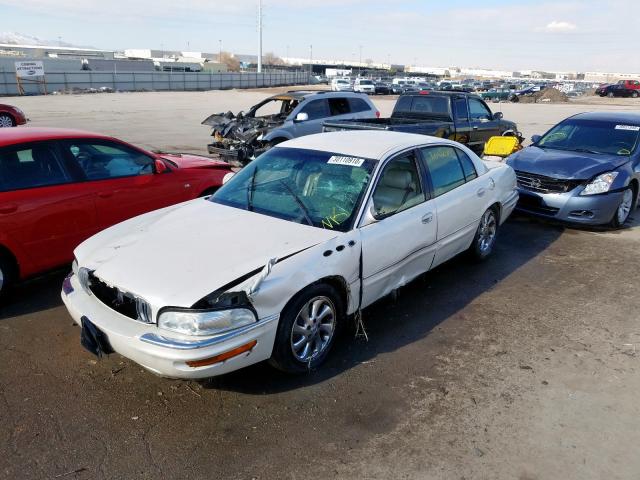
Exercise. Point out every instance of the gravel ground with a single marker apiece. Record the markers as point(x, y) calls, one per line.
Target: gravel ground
point(523, 367)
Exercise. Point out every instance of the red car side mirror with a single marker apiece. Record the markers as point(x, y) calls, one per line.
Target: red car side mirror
point(161, 167)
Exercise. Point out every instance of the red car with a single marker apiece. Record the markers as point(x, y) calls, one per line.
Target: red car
point(11, 116)
point(59, 187)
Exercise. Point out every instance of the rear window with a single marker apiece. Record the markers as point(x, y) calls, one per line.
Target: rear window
point(31, 167)
point(359, 105)
point(432, 104)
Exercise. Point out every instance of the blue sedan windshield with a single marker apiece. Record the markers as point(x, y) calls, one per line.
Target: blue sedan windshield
point(321, 189)
point(615, 138)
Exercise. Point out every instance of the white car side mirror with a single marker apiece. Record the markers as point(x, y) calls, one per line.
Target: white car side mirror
point(302, 117)
point(369, 215)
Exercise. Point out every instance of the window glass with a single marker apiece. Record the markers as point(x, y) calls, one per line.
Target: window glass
point(359, 105)
point(467, 165)
point(339, 106)
point(302, 186)
point(460, 107)
point(594, 136)
point(398, 187)
point(36, 166)
point(444, 168)
point(315, 109)
point(478, 110)
point(101, 160)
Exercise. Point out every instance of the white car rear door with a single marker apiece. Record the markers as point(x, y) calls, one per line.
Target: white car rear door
point(458, 193)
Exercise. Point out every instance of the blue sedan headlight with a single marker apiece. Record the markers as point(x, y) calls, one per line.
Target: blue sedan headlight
point(600, 184)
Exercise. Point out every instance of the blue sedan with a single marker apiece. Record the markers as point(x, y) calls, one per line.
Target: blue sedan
point(584, 170)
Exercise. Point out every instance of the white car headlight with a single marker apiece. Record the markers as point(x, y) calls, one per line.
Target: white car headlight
point(201, 323)
point(600, 184)
point(227, 177)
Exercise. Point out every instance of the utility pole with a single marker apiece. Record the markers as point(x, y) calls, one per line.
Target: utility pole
point(310, 59)
point(259, 36)
point(360, 63)
point(287, 51)
point(220, 50)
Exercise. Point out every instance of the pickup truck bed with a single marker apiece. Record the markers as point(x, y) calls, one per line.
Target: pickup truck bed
point(458, 116)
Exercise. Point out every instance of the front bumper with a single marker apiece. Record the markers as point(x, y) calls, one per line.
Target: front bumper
point(571, 206)
point(163, 352)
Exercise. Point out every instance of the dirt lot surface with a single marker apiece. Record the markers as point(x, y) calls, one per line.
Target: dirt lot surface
point(523, 367)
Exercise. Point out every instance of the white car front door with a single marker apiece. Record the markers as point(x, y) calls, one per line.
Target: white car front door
point(400, 245)
point(458, 196)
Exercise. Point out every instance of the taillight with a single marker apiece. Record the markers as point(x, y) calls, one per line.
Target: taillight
point(377, 114)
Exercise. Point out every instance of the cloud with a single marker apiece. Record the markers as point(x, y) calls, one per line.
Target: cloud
point(560, 27)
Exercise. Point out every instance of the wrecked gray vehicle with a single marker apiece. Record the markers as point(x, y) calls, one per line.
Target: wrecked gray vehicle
point(241, 138)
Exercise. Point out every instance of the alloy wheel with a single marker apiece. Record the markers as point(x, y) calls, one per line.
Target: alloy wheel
point(6, 121)
point(488, 229)
point(313, 329)
point(625, 206)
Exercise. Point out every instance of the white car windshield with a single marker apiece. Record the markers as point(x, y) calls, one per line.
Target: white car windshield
point(321, 189)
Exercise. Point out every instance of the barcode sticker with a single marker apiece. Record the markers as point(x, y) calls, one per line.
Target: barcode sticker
point(633, 128)
point(349, 161)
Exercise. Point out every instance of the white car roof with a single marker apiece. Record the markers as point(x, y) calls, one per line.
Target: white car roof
point(373, 144)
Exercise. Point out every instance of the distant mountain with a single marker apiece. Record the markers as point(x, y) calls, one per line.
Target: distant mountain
point(14, 38)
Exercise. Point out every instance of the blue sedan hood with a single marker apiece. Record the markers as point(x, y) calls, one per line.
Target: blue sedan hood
point(563, 164)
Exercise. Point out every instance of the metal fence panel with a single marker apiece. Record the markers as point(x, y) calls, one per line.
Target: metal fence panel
point(156, 81)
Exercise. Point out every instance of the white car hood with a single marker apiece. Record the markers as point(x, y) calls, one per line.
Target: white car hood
point(176, 256)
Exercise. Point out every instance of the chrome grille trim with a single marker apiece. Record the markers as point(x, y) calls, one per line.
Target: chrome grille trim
point(542, 184)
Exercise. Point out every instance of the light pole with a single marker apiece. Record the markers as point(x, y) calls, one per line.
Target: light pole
point(360, 62)
point(310, 59)
point(259, 36)
point(220, 51)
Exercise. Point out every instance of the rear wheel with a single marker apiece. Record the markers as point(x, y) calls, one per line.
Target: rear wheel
point(610, 94)
point(6, 121)
point(307, 328)
point(485, 238)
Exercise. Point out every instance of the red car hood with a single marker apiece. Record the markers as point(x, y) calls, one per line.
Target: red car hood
point(194, 161)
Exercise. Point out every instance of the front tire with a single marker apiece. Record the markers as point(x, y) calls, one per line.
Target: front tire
point(307, 329)
point(485, 238)
point(626, 206)
point(6, 121)
point(634, 95)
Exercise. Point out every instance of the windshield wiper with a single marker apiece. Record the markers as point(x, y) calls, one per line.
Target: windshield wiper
point(251, 189)
point(298, 201)
point(585, 150)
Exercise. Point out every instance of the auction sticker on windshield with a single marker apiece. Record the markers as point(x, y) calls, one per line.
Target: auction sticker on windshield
point(349, 161)
point(632, 128)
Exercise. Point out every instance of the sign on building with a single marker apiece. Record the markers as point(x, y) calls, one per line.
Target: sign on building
point(30, 69)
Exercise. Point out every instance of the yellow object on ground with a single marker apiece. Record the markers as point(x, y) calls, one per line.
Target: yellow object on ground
point(501, 146)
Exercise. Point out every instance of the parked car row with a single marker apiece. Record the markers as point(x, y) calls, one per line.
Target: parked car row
point(306, 225)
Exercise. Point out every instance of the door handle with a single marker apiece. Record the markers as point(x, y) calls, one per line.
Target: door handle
point(427, 218)
point(105, 194)
point(481, 192)
point(10, 208)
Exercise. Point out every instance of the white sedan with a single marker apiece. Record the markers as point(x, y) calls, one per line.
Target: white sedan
point(271, 265)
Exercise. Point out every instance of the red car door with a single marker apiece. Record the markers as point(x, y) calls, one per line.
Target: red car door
point(123, 179)
point(44, 212)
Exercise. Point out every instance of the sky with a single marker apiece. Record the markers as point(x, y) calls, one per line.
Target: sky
point(573, 35)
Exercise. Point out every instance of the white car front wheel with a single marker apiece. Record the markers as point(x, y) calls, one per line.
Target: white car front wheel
point(307, 329)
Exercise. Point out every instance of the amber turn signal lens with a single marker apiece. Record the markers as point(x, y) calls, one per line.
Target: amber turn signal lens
point(223, 356)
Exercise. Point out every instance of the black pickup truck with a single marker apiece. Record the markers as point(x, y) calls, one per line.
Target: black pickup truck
point(458, 116)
